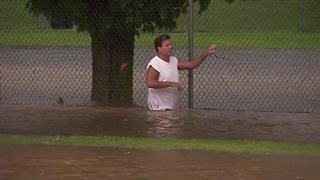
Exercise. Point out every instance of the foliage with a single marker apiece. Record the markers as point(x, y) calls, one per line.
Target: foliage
point(112, 26)
point(113, 15)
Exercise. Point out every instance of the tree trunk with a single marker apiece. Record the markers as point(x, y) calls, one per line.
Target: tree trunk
point(112, 67)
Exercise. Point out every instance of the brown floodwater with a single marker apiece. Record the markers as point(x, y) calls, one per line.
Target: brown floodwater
point(66, 162)
point(181, 123)
point(54, 162)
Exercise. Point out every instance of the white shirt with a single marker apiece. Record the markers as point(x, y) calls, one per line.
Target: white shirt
point(164, 98)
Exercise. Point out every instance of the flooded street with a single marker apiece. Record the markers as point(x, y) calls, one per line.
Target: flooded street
point(181, 123)
point(68, 162)
point(47, 162)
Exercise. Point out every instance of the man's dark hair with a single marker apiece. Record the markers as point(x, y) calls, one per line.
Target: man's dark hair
point(158, 41)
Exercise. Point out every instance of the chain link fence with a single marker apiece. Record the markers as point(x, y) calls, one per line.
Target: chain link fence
point(268, 57)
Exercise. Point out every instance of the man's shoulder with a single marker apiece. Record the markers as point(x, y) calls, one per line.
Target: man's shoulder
point(153, 62)
point(173, 59)
point(154, 59)
point(158, 60)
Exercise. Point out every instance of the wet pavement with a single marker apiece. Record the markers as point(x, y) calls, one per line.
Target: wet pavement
point(66, 162)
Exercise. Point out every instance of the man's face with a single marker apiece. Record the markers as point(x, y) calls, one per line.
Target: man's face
point(166, 48)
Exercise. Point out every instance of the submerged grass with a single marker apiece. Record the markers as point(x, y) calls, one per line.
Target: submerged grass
point(231, 146)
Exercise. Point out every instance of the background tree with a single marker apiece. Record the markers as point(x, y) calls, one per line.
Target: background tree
point(113, 25)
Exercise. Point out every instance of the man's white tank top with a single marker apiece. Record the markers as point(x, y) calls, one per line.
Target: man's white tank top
point(164, 98)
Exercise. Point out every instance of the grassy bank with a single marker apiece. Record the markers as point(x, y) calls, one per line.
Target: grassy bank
point(260, 39)
point(223, 39)
point(266, 24)
point(230, 146)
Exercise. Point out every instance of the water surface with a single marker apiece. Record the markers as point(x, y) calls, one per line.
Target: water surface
point(180, 123)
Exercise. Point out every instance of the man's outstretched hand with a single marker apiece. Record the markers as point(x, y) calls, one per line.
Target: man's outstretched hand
point(212, 48)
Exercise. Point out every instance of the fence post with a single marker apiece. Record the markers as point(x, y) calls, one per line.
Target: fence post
point(190, 52)
point(301, 16)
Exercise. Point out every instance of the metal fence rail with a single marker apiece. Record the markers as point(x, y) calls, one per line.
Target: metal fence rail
point(268, 57)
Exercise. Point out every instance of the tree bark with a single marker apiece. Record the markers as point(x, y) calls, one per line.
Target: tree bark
point(112, 67)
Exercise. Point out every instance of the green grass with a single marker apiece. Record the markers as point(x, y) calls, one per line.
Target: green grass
point(45, 38)
point(235, 39)
point(263, 39)
point(260, 23)
point(230, 146)
point(260, 15)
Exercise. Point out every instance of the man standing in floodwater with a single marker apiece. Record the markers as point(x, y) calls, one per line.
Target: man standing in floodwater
point(163, 76)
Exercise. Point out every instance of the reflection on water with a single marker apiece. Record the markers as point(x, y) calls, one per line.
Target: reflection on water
point(163, 123)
